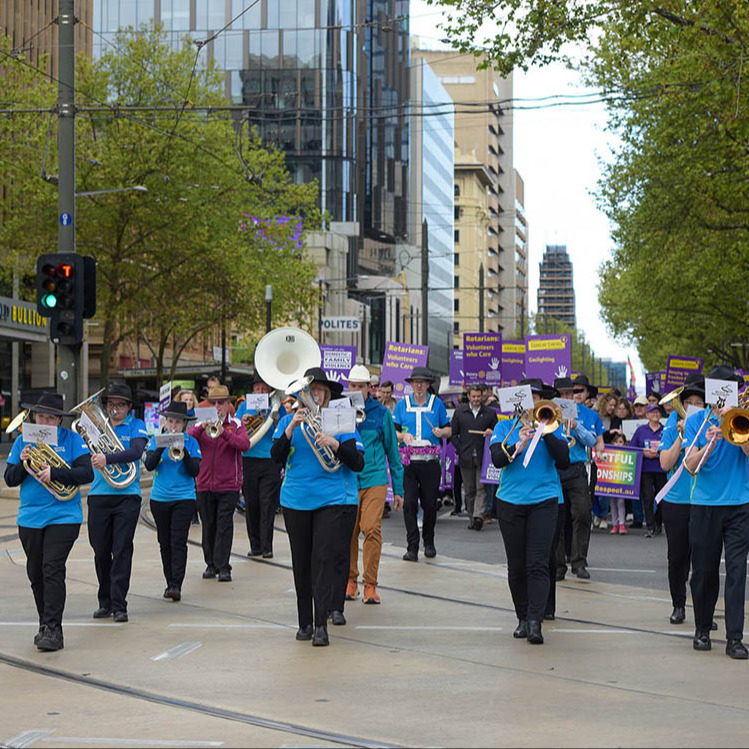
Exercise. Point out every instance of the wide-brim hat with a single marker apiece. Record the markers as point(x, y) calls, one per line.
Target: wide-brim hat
point(48, 403)
point(693, 385)
point(219, 392)
point(549, 393)
point(318, 375)
point(178, 410)
point(359, 373)
point(536, 384)
point(582, 380)
point(564, 383)
point(725, 372)
point(118, 391)
point(421, 373)
point(257, 378)
point(640, 400)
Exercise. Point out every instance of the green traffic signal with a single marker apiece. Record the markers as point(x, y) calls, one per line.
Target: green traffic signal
point(49, 301)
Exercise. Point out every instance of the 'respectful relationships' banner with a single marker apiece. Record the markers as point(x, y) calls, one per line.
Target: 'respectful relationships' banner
point(619, 473)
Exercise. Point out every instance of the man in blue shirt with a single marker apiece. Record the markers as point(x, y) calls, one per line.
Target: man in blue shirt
point(421, 422)
point(113, 511)
point(719, 520)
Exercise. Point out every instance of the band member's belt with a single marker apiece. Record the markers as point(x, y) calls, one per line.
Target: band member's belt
point(424, 458)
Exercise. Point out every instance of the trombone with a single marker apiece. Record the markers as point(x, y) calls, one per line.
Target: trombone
point(545, 416)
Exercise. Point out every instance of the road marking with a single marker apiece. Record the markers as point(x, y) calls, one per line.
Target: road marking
point(65, 624)
point(599, 631)
point(616, 569)
point(449, 629)
point(232, 626)
point(177, 652)
point(26, 738)
point(75, 741)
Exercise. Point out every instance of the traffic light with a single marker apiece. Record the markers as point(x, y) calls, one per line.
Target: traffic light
point(66, 293)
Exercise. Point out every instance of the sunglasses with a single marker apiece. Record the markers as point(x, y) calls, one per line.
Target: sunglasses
point(220, 402)
point(579, 390)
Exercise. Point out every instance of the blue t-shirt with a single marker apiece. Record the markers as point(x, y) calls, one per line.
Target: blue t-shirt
point(590, 419)
point(39, 508)
point(170, 479)
point(534, 484)
point(585, 433)
point(262, 448)
point(130, 429)
point(416, 420)
point(680, 492)
point(306, 485)
point(724, 476)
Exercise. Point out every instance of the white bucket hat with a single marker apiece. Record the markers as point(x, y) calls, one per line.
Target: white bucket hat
point(359, 373)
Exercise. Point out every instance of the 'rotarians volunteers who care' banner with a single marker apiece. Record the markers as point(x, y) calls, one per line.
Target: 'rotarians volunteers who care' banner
point(513, 362)
point(398, 362)
point(456, 367)
point(619, 473)
point(548, 357)
point(482, 358)
point(678, 368)
point(337, 361)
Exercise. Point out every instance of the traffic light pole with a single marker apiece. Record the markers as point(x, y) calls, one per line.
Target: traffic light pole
point(68, 356)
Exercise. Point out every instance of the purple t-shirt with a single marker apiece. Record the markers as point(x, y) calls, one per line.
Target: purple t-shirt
point(645, 438)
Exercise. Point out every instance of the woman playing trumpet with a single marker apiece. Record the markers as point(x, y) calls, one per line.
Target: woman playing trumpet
point(47, 526)
point(173, 495)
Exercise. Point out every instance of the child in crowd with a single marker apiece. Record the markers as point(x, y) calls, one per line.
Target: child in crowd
point(617, 503)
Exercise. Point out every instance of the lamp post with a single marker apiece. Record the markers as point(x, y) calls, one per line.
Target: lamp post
point(88, 193)
point(268, 303)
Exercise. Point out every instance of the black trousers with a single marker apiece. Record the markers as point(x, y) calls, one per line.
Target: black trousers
point(676, 523)
point(216, 510)
point(650, 485)
point(320, 542)
point(551, 601)
point(173, 521)
point(577, 498)
point(711, 530)
point(47, 550)
point(261, 486)
point(421, 485)
point(458, 489)
point(527, 532)
point(112, 520)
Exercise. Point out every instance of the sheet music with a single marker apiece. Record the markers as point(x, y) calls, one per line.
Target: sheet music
point(46, 435)
point(338, 421)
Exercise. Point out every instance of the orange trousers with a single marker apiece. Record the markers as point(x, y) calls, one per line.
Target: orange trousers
point(368, 522)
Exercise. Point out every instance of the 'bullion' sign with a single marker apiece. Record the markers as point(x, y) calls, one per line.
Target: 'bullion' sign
point(21, 315)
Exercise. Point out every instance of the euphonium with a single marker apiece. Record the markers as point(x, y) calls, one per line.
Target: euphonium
point(42, 454)
point(116, 475)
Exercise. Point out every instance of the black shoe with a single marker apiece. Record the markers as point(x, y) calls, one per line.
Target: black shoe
point(649, 533)
point(121, 616)
point(253, 553)
point(657, 530)
point(678, 616)
point(224, 576)
point(38, 636)
point(736, 650)
point(174, 593)
point(714, 626)
point(521, 631)
point(267, 555)
point(429, 551)
point(320, 638)
point(210, 572)
point(102, 613)
point(51, 639)
point(478, 524)
point(455, 513)
point(581, 573)
point(337, 618)
point(701, 641)
point(550, 616)
point(635, 524)
point(304, 633)
point(386, 511)
point(410, 556)
point(167, 593)
point(534, 632)
point(561, 572)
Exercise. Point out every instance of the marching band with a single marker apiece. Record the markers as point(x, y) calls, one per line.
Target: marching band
point(328, 468)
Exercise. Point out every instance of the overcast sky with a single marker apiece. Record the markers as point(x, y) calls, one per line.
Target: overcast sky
point(556, 151)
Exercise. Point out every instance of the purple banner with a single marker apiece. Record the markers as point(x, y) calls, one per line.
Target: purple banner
point(456, 367)
point(513, 362)
point(398, 363)
point(652, 382)
point(447, 458)
point(482, 358)
point(489, 472)
point(337, 361)
point(678, 368)
point(548, 357)
point(619, 472)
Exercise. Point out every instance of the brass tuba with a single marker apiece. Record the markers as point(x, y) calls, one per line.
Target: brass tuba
point(674, 399)
point(42, 454)
point(282, 357)
point(115, 475)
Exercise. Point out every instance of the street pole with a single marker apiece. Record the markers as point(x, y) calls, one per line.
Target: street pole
point(425, 283)
point(319, 311)
point(268, 303)
point(68, 357)
point(223, 351)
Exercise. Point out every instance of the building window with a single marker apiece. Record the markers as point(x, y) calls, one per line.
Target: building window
point(457, 282)
point(456, 236)
point(456, 212)
point(457, 191)
point(456, 258)
point(456, 305)
point(456, 327)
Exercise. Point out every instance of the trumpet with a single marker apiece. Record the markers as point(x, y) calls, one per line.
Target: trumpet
point(42, 455)
point(212, 428)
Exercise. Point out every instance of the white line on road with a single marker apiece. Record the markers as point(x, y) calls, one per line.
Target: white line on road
point(65, 624)
point(75, 741)
point(26, 738)
point(599, 631)
point(616, 569)
point(177, 652)
point(230, 626)
point(450, 629)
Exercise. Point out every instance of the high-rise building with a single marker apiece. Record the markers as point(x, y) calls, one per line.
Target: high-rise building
point(483, 136)
point(521, 257)
point(431, 204)
point(556, 292)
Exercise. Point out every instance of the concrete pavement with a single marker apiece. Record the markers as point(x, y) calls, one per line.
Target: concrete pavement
point(434, 665)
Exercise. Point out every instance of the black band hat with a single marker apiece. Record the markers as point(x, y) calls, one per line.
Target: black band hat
point(421, 373)
point(693, 385)
point(318, 375)
point(48, 403)
point(725, 372)
point(564, 383)
point(582, 381)
point(178, 410)
point(118, 391)
point(549, 393)
point(536, 384)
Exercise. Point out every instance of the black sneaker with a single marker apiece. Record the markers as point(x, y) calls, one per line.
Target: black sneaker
point(224, 576)
point(337, 618)
point(581, 573)
point(102, 613)
point(304, 633)
point(701, 641)
point(51, 639)
point(210, 572)
point(429, 551)
point(121, 616)
point(38, 636)
point(735, 649)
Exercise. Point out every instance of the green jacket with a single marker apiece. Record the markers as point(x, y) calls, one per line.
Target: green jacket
point(380, 443)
